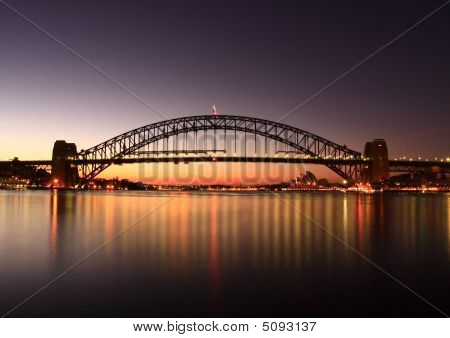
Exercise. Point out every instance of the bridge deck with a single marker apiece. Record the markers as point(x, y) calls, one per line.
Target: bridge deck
point(278, 159)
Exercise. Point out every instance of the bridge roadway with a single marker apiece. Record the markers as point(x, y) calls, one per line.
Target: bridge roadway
point(394, 165)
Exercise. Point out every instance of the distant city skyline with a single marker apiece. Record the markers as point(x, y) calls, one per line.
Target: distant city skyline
point(252, 59)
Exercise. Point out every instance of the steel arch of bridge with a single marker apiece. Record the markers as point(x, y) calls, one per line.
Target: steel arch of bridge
point(302, 141)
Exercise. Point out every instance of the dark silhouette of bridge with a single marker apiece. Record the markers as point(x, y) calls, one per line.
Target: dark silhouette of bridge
point(224, 138)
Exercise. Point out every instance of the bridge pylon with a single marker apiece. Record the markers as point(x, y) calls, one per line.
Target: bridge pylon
point(64, 173)
point(376, 169)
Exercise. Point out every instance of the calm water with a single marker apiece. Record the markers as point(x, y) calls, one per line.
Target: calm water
point(189, 254)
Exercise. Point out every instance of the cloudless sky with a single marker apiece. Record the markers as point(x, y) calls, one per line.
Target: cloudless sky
point(254, 58)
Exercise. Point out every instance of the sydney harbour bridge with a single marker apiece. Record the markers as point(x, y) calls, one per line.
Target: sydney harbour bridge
point(224, 138)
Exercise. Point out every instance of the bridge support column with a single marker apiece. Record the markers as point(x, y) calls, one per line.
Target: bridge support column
point(64, 174)
point(377, 167)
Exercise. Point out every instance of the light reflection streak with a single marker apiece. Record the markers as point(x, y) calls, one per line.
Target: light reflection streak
point(309, 238)
point(193, 222)
point(278, 215)
point(54, 225)
point(162, 230)
point(184, 253)
point(214, 273)
point(360, 223)
point(285, 242)
point(235, 229)
point(330, 221)
point(225, 230)
point(266, 224)
point(297, 234)
point(345, 217)
point(255, 230)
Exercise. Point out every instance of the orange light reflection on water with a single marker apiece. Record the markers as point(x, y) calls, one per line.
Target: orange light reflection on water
point(214, 271)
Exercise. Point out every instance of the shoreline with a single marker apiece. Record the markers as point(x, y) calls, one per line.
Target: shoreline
point(338, 190)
